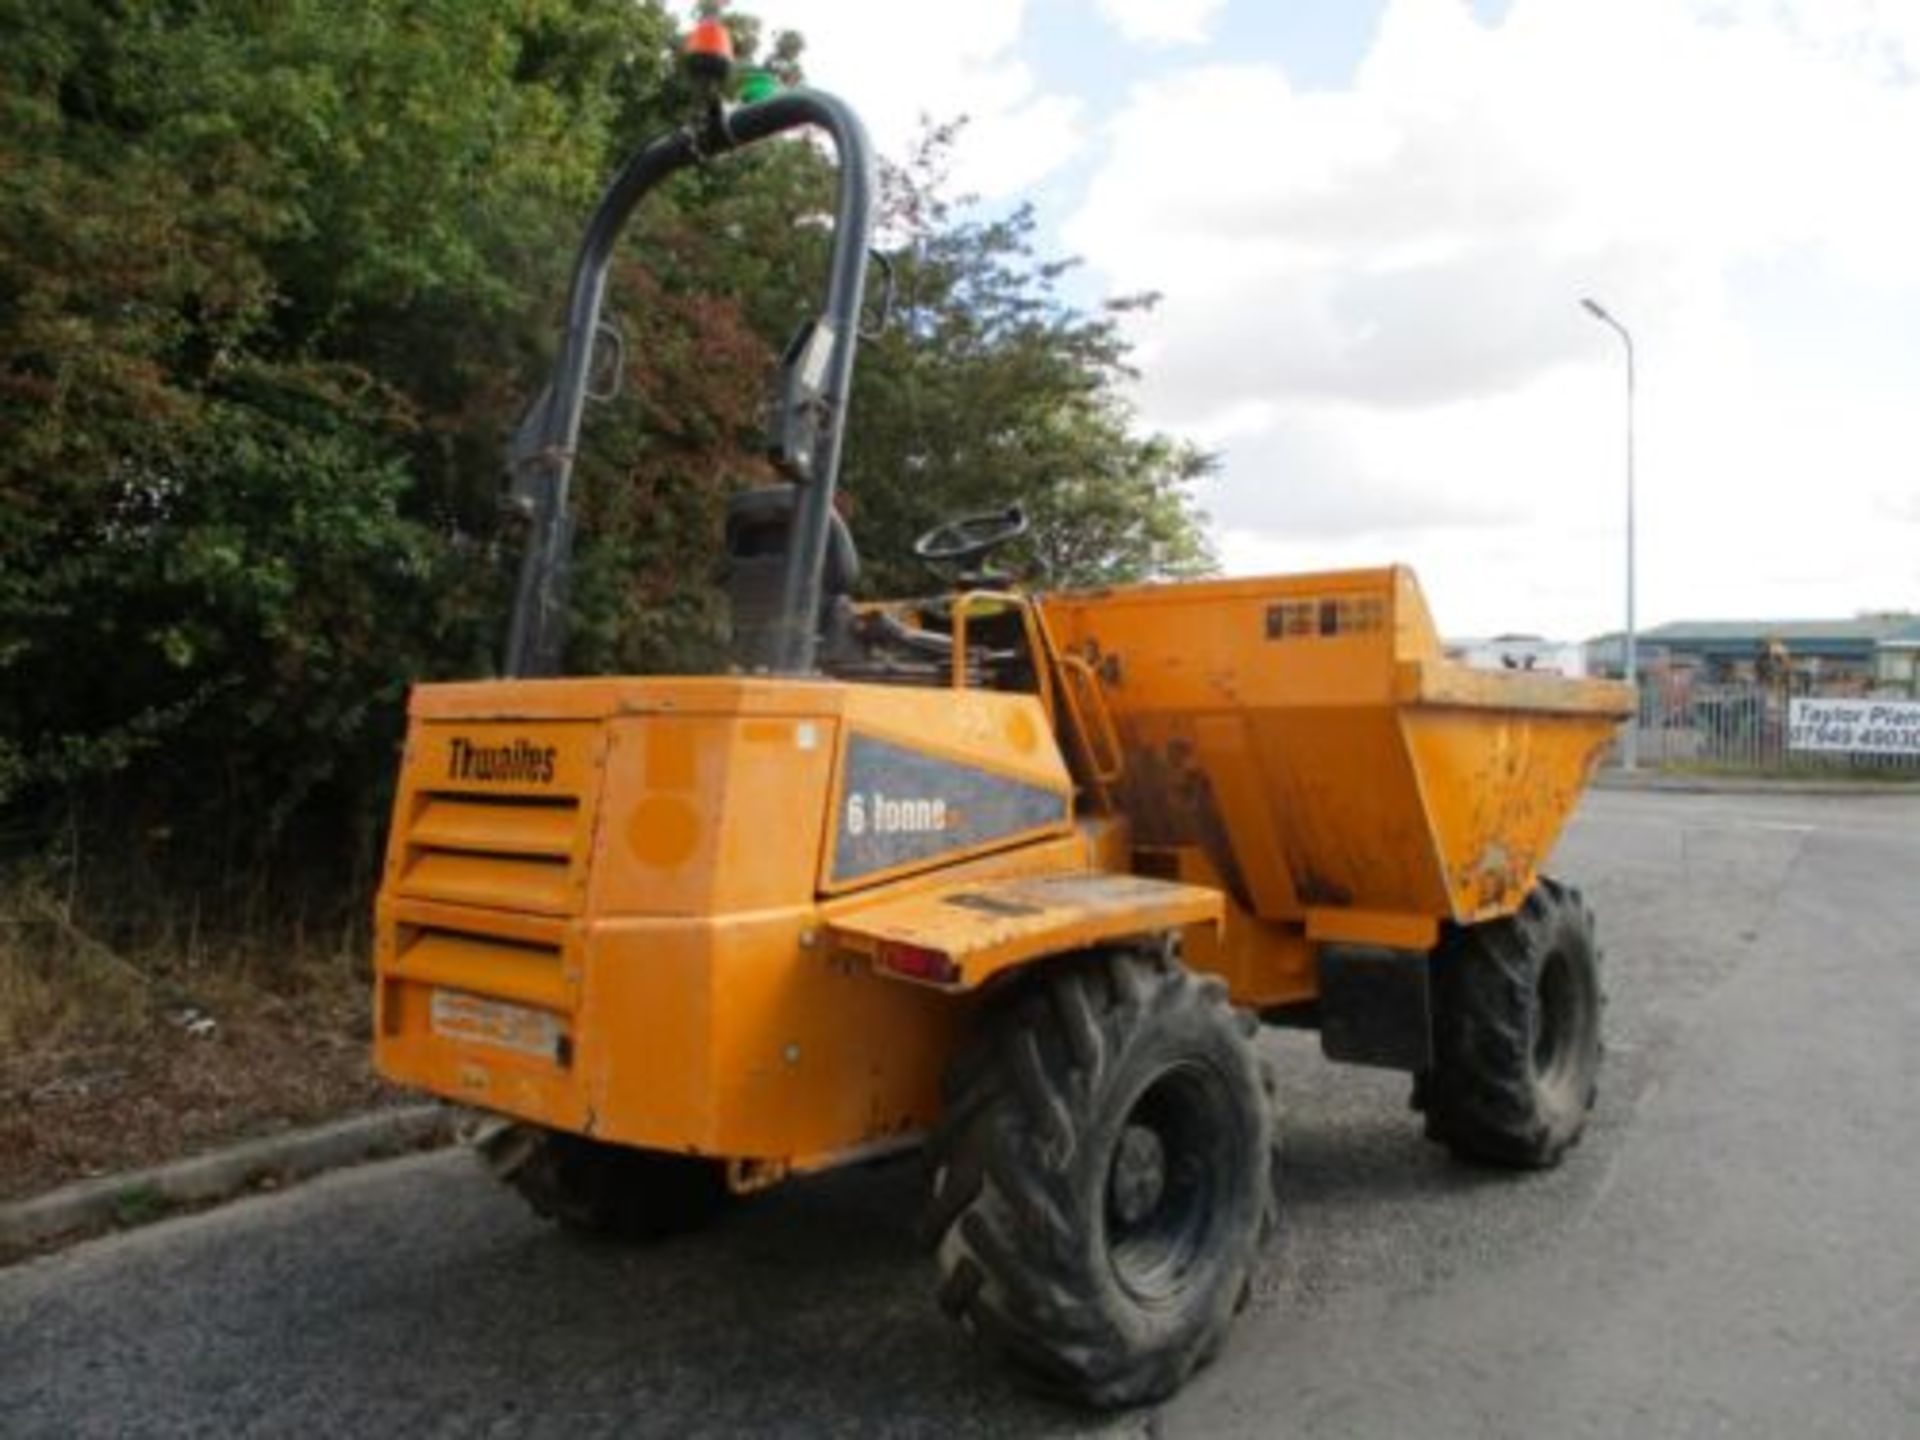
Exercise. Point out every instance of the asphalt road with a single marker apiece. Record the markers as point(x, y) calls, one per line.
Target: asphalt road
point(1733, 1251)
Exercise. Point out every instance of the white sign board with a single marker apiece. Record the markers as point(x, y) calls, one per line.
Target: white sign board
point(1855, 727)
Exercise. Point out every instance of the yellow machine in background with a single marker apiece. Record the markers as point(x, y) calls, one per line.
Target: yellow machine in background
point(1013, 877)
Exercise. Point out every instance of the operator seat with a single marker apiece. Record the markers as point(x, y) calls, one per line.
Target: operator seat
point(758, 525)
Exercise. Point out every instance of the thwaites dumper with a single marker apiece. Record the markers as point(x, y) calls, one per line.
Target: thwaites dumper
point(1011, 877)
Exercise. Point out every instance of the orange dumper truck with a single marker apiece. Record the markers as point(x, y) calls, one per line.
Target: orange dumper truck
point(1013, 879)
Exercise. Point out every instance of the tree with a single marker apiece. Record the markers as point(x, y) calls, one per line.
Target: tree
point(269, 275)
point(990, 388)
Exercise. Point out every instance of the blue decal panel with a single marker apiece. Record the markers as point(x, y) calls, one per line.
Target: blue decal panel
point(898, 805)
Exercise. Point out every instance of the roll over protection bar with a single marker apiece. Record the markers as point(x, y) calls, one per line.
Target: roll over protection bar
point(543, 451)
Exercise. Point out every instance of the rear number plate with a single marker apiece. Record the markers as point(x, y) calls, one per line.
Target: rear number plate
point(459, 1016)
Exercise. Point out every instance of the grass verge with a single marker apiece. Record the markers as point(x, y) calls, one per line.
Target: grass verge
point(112, 1061)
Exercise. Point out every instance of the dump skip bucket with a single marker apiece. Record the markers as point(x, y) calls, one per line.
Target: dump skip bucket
point(1307, 732)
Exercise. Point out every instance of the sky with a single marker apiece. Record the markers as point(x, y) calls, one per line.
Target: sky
point(1371, 223)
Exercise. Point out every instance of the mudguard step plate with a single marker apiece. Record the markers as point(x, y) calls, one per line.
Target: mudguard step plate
point(958, 936)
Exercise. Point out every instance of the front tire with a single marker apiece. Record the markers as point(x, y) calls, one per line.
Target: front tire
point(1104, 1177)
point(1516, 1033)
point(599, 1189)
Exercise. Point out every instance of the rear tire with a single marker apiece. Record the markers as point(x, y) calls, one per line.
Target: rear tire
point(600, 1189)
point(1517, 1041)
point(1103, 1177)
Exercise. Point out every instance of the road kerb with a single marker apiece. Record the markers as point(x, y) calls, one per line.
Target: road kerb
point(121, 1201)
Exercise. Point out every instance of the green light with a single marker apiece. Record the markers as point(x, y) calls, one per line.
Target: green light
point(757, 85)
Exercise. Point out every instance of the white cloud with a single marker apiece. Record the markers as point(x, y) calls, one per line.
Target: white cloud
point(1163, 22)
point(1371, 301)
point(898, 65)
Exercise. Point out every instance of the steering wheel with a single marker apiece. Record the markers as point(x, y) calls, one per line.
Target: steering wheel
point(970, 538)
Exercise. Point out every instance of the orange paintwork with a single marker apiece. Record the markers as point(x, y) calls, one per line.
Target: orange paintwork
point(1306, 732)
point(665, 895)
point(612, 905)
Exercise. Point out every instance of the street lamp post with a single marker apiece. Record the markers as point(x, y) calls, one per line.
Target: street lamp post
point(1630, 756)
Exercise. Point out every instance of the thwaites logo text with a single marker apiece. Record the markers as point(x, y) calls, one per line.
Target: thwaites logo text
point(875, 813)
point(519, 762)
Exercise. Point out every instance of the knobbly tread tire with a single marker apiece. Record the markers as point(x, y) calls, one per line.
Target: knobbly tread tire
point(1483, 1097)
point(1017, 1211)
point(616, 1191)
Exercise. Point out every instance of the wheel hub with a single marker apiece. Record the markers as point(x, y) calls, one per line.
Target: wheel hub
point(1139, 1175)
